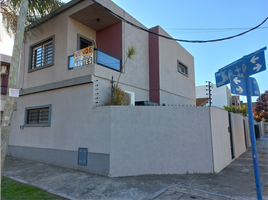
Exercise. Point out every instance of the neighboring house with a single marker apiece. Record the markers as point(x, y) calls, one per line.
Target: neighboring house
point(236, 100)
point(202, 102)
point(6, 46)
point(221, 96)
point(57, 109)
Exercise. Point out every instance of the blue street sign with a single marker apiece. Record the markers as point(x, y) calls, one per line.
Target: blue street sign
point(237, 73)
point(254, 63)
point(254, 87)
point(237, 68)
point(239, 86)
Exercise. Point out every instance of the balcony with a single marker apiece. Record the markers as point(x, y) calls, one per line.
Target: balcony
point(102, 58)
point(95, 17)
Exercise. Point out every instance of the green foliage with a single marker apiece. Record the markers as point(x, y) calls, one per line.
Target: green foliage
point(237, 109)
point(131, 51)
point(120, 97)
point(37, 10)
point(11, 190)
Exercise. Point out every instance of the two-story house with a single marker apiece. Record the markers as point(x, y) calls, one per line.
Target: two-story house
point(56, 111)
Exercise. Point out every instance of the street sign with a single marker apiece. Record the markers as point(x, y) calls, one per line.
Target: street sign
point(255, 88)
point(236, 68)
point(237, 73)
point(239, 86)
point(255, 63)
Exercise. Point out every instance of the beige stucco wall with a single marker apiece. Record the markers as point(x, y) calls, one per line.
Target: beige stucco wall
point(65, 29)
point(73, 122)
point(160, 140)
point(172, 82)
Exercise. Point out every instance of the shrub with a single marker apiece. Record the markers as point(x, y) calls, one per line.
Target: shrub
point(237, 109)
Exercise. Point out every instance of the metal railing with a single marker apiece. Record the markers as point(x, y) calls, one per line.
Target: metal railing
point(102, 58)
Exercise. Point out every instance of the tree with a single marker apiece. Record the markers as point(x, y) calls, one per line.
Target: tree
point(261, 111)
point(36, 11)
point(29, 12)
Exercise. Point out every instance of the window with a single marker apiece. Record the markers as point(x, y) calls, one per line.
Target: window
point(42, 54)
point(83, 42)
point(182, 68)
point(38, 116)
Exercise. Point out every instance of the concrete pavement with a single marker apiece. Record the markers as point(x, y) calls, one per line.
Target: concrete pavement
point(234, 182)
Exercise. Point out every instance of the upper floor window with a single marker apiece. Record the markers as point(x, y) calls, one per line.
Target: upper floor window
point(42, 54)
point(83, 42)
point(182, 68)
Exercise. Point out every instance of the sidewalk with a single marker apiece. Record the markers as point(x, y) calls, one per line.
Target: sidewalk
point(234, 182)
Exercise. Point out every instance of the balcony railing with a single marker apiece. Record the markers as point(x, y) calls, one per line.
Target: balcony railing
point(3, 90)
point(102, 58)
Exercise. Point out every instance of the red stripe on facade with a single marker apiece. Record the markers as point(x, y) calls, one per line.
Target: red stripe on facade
point(154, 81)
point(109, 40)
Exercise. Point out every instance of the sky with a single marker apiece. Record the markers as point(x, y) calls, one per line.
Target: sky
point(175, 16)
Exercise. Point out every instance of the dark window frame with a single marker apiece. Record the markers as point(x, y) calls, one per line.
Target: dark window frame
point(79, 37)
point(35, 45)
point(182, 66)
point(27, 109)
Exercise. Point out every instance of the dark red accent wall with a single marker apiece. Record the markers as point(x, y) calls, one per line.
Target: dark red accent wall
point(109, 40)
point(154, 81)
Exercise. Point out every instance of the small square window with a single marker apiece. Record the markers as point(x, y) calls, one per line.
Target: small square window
point(42, 54)
point(182, 68)
point(38, 116)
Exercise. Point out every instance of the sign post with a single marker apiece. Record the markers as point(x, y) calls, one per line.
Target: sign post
point(237, 74)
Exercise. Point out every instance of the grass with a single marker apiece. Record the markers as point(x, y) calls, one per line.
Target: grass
point(13, 190)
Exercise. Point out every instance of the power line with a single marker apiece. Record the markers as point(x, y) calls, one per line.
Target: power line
point(179, 40)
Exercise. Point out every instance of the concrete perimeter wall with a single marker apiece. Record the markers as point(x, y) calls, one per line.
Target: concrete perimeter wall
point(127, 140)
point(163, 140)
point(238, 134)
point(220, 139)
point(247, 132)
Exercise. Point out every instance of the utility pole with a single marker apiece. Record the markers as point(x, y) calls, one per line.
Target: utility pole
point(12, 80)
point(209, 92)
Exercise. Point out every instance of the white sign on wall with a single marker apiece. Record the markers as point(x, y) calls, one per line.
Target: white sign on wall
point(13, 92)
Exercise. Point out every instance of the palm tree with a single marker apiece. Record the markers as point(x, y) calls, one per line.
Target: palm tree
point(16, 15)
point(36, 11)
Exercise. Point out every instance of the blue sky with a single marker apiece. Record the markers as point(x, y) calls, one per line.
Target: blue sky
point(209, 57)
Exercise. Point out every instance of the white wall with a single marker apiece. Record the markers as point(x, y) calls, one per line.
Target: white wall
point(219, 95)
point(238, 134)
point(248, 140)
point(220, 139)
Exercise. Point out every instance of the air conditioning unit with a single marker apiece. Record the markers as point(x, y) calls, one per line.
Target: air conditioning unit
point(3, 70)
point(131, 95)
